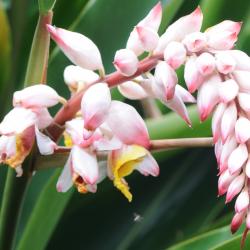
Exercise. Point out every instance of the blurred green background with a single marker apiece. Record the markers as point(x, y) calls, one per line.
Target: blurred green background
point(181, 205)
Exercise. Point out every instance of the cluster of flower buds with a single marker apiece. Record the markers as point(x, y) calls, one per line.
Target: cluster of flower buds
point(23, 123)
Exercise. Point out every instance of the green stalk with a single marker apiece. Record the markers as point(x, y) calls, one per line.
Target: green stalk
point(15, 187)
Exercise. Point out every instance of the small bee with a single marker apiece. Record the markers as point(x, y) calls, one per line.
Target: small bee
point(137, 217)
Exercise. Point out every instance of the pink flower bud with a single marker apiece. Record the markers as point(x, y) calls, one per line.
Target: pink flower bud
point(126, 62)
point(244, 101)
point(37, 96)
point(228, 121)
point(184, 94)
point(148, 38)
point(223, 35)
point(77, 47)
point(237, 158)
point(228, 90)
point(195, 42)
point(151, 22)
point(236, 222)
point(242, 78)
point(235, 187)
point(225, 63)
point(242, 130)
point(192, 76)
point(216, 121)
point(205, 63)
point(132, 90)
point(224, 181)
point(178, 106)
point(74, 76)
point(17, 120)
point(153, 18)
point(127, 124)
point(242, 202)
point(179, 29)
point(166, 80)
point(248, 167)
point(229, 146)
point(175, 54)
point(208, 96)
point(241, 59)
point(95, 105)
point(217, 150)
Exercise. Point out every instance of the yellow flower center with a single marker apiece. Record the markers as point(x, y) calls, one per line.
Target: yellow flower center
point(123, 163)
point(67, 140)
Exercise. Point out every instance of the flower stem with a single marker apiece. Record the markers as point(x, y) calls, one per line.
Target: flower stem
point(68, 111)
point(15, 187)
point(61, 154)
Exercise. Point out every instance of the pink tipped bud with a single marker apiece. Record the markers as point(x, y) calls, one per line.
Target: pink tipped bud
point(242, 78)
point(166, 80)
point(237, 158)
point(242, 130)
point(153, 18)
point(242, 202)
point(216, 120)
point(150, 25)
point(75, 77)
point(205, 63)
point(236, 222)
point(195, 42)
point(228, 90)
point(225, 63)
point(148, 38)
point(132, 90)
point(228, 121)
point(126, 62)
point(218, 150)
point(95, 105)
point(248, 167)
point(184, 94)
point(127, 124)
point(37, 96)
point(222, 41)
point(208, 96)
point(235, 187)
point(229, 146)
point(77, 47)
point(179, 29)
point(192, 76)
point(244, 101)
point(175, 54)
point(241, 59)
point(224, 181)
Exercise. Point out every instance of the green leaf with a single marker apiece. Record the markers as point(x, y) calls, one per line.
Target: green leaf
point(46, 5)
point(42, 222)
point(209, 240)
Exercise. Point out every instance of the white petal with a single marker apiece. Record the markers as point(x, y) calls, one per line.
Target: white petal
point(228, 90)
point(132, 90)
point(17, 120)
point(148, 166)
point(85, 164)
point(75, 75)
point(45, 145)
point(37, 96)
point(64, 182)
point(44, 119)
point(75, 129)
point(242, 129)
